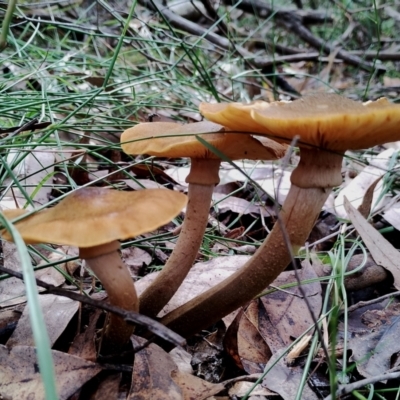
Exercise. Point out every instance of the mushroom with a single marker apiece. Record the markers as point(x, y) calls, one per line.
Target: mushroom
point(94, 219)
point(327, 126)
point(168, 139)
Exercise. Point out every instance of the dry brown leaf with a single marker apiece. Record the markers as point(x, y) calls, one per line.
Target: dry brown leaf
point(108, 389)
point(374, 346)
point(194, 388)
point(239, 389)
point(140, 184)
point(392, 215)
point(20, 377)
point(365, 206)
point(276, 185)
point(284, 315)
point(381, 250)
point(57, 312)
point(390, 82)
point(231, 339)
point(245, 344)
point(286, 380)
point(182, 359)
point(152, 374)
point(201, 277)
point(156, 376)
point(134, 258)
point(12, 290)
point(357, 188)
point(37, 167)
point(84, 345)
point(240, 206)
point(152, 171)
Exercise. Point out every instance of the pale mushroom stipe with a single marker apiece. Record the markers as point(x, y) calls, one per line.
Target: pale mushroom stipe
point(168, 139)
point(94, 219)
point(327, 126)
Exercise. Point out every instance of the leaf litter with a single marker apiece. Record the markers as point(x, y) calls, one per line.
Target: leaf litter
point(255, 336)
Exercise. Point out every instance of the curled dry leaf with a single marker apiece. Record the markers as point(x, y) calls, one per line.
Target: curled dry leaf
point(297, 349)
point(358, 188)
point(381, 250)
point(245, 344)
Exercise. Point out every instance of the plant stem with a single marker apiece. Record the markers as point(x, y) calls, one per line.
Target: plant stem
point(157, 295)
point(298, 215)
point(6, 24)
point(118, 283)
point(300, 210)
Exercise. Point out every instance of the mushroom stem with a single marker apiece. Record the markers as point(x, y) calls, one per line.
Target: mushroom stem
point(157, 295)
point(298, 215)
point(118, 283)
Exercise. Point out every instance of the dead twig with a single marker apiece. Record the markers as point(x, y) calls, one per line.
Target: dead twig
point(361, 304)
point(346, 389)
point(129, 316)
point(195, 29)
point(293, 23)
point(307, 17)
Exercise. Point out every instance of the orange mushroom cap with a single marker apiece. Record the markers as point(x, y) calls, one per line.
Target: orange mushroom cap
point(168, 139)
point(326, 121)
point(234, 116)
point(94, 216)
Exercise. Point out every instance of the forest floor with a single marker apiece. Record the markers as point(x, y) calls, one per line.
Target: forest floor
point(74, 75)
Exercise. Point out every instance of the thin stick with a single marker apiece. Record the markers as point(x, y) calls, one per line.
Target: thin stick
point(364, 382)
point(129, 316)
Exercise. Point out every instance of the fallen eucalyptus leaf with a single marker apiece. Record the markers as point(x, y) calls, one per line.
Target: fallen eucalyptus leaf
point(383, 253)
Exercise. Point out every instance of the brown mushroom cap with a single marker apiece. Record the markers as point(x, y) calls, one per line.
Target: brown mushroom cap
point(180, 141)
point(94, 216)
point(327, 121)
point(234, 116)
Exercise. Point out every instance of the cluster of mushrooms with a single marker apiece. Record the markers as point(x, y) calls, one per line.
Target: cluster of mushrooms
point(326, 125)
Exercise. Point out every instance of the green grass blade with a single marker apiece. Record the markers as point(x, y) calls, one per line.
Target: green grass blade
point(39, 331)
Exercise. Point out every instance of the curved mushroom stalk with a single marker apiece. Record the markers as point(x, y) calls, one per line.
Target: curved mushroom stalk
point(327, 125)
point(94, 219)
point(119, 285)
point(298, 215)
point(157, 295)
point(174, 140)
